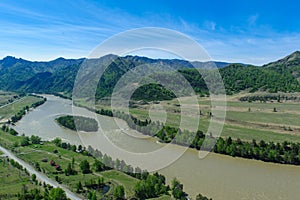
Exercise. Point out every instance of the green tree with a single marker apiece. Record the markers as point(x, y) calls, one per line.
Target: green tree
point(73, 148)
point(57, 142)
point(100, 181)
point(79, 187)
point(57, 194)
point(35, 139)
point(33, 177)
point(94, 196)
point(99, 166)
point(70, 170)
point(85, 167)
point(119, 192)
point(177, 190)
point(25, 141)
point(201, 197)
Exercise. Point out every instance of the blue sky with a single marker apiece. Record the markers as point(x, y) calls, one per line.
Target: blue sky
point(253, 32)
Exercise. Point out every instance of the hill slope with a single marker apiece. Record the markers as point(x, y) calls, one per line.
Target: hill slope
point(59, 75)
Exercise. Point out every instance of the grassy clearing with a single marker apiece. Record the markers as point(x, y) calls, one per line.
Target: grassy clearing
point(7, 140)
point(262, 117)
point(7, 97)
point(258, 123)
point(122, 179)
point(12, 109)
point(257, 134)
point(13, 181)
point(34, 154)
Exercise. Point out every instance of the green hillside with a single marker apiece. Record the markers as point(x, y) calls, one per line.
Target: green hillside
point(59, 76)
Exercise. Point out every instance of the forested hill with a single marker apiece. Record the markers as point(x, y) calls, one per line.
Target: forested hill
point(279, 76)
point(26, 76)
point(59, 75)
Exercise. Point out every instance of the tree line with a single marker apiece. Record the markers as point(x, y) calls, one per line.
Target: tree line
point(267, 97)
point(284, 153)
point(25, 109)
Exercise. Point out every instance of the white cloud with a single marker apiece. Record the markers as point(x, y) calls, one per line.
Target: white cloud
point(252, 19)
point(210, 25)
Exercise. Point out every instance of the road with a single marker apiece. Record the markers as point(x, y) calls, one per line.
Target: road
point(41, 177)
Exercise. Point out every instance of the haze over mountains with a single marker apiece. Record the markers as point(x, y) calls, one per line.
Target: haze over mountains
point(59, 75)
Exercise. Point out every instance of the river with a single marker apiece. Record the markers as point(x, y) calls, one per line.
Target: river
point(217, 176)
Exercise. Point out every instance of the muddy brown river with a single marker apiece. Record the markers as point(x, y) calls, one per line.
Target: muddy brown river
point(217, 176)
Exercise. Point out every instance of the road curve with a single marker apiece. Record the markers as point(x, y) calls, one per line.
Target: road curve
point(41, 177)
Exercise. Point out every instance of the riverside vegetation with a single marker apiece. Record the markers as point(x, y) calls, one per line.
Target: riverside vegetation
point(285, 152)
point(18, 184)
point(78, 123)
point(87, 172)
point(57, 77)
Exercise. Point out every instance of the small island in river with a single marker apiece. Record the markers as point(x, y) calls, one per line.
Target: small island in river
point(78, 123)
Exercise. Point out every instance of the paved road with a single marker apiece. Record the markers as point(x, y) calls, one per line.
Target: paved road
point(41, 177)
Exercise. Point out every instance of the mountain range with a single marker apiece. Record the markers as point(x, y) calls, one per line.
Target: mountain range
point(58, 76)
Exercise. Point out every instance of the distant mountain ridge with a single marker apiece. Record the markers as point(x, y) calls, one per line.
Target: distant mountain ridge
point(58, 75)
point(291, 60)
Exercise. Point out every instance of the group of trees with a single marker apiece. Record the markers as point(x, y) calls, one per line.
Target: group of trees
point(177, 190)
point(152, 92)
point(91, 184)
point(52, 194)
point(9, 130)
point(105, 162)
point(154, 185)
point(285, 153)
point(79, 123)
point(119, 192)
point(238, 77)
point(164, 132)
point(25, 140)
point(201, 197)
point(85, 167)
point(151, 186)
point(49, 193)
point(37, 104)
point(23, 111)
point(19, 115)
point(267, 97)
point(70, 169)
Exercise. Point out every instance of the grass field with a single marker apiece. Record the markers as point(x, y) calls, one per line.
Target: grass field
point(121, 179)
point(244, 120)
point(7, 97)
point(36, 153)
point(7, 140)
point(11, 109)
point(12, 181)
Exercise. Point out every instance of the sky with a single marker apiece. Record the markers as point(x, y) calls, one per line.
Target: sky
point(254, 32)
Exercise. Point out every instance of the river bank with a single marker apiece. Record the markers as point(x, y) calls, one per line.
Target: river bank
point(217, 176)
